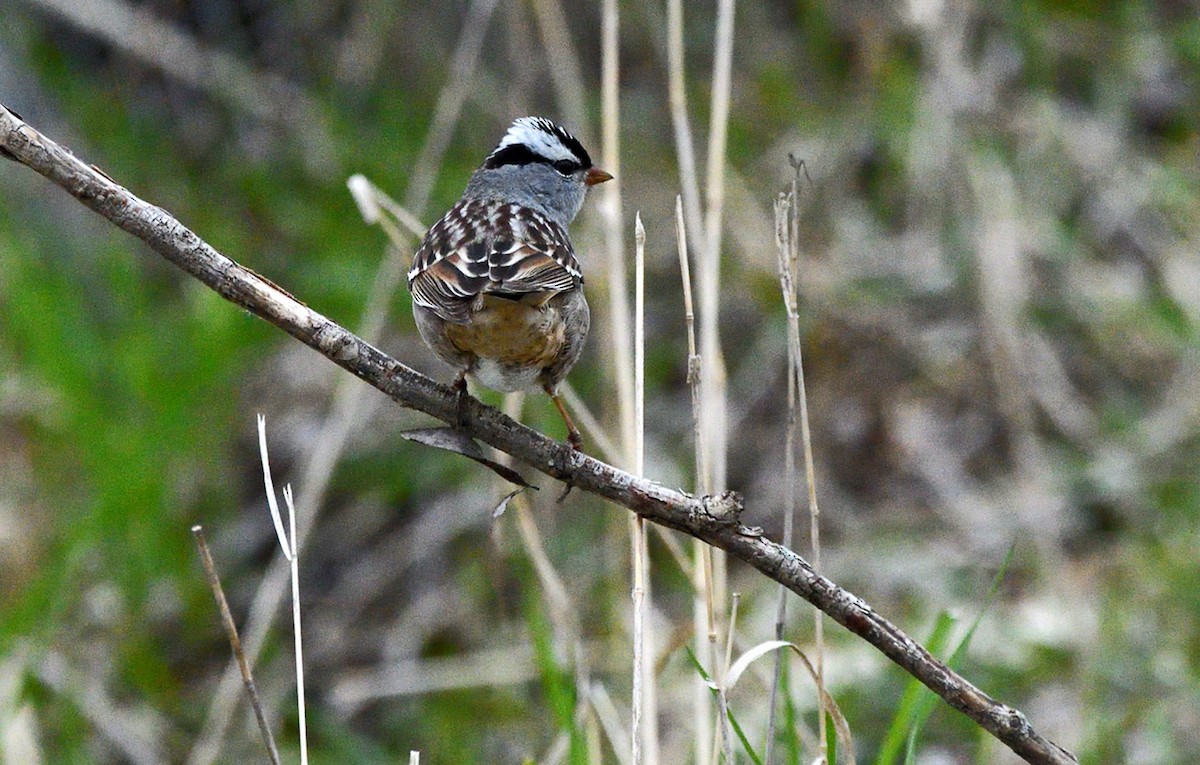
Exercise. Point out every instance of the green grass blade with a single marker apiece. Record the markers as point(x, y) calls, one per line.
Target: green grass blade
point(906, 711)
point(927, 703)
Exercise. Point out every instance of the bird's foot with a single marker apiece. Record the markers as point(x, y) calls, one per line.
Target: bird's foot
point(460, 394)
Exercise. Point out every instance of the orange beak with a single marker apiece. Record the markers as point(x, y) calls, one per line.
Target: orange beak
point(596, 175)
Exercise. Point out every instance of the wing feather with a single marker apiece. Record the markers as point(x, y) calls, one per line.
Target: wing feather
point(490, 247)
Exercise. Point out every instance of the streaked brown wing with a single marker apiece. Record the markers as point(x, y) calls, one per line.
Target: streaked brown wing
point(490, 247)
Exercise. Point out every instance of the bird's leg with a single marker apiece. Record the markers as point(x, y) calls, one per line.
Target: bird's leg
point(573, 437)
point(460, 393)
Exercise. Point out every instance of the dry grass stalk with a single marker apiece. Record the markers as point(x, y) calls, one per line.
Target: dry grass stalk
point(685, 148)
point(726, 728)
point(643, 731)
point(291, 552)
point(787, 236)
point(214, 581)
point(810, 477)
point(703, 615)
point(610, 209)
point(788, 286)
point(610, 721)
point(712, 409)
point(714, 382)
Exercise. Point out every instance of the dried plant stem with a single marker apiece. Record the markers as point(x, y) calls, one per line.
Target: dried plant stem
point(643, 731)
point(703, 615)
point(554, 589)
point(810, 477)
point(372, 201)
point(713, 519)
point(610, 721)
point(685, 148)
point(714, 380)
point(210, 573)
point(595, 431)
point(299, 639)
point(610, 208)
point(722, 695)
point(787, 285)
point(706, 369)
point(291, 552)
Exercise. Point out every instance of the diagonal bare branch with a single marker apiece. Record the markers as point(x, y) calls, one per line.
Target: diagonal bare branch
point(712, 519)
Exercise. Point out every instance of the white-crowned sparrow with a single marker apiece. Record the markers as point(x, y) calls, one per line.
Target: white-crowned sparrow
point(497, 290)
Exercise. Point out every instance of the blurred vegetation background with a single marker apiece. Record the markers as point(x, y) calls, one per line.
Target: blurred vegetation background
point(1000, 305)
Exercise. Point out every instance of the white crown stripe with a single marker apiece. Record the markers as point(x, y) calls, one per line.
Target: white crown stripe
point(540, 136)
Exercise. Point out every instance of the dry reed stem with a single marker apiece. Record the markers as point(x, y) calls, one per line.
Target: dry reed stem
point(642, 677)
point(722, 691)
point(584, 416)
point(596, 432)
point(709, 372)
point(562, 611)
point(685, 148)
point(611, 213)
point(810, 477)
point(610, 721)
point(372, 202)
point(787, 285)
point(713, 384)
point(713, 519)
point(299, 639)
point(703, 618)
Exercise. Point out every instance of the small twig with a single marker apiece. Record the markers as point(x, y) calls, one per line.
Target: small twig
point(210, 572)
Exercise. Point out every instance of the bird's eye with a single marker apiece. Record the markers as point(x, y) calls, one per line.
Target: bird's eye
point(566, 166)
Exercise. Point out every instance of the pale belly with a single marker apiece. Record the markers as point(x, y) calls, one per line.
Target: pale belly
point(504, 377)
point(512, 342)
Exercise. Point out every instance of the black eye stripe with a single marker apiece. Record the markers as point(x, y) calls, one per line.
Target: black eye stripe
point(520, 154)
